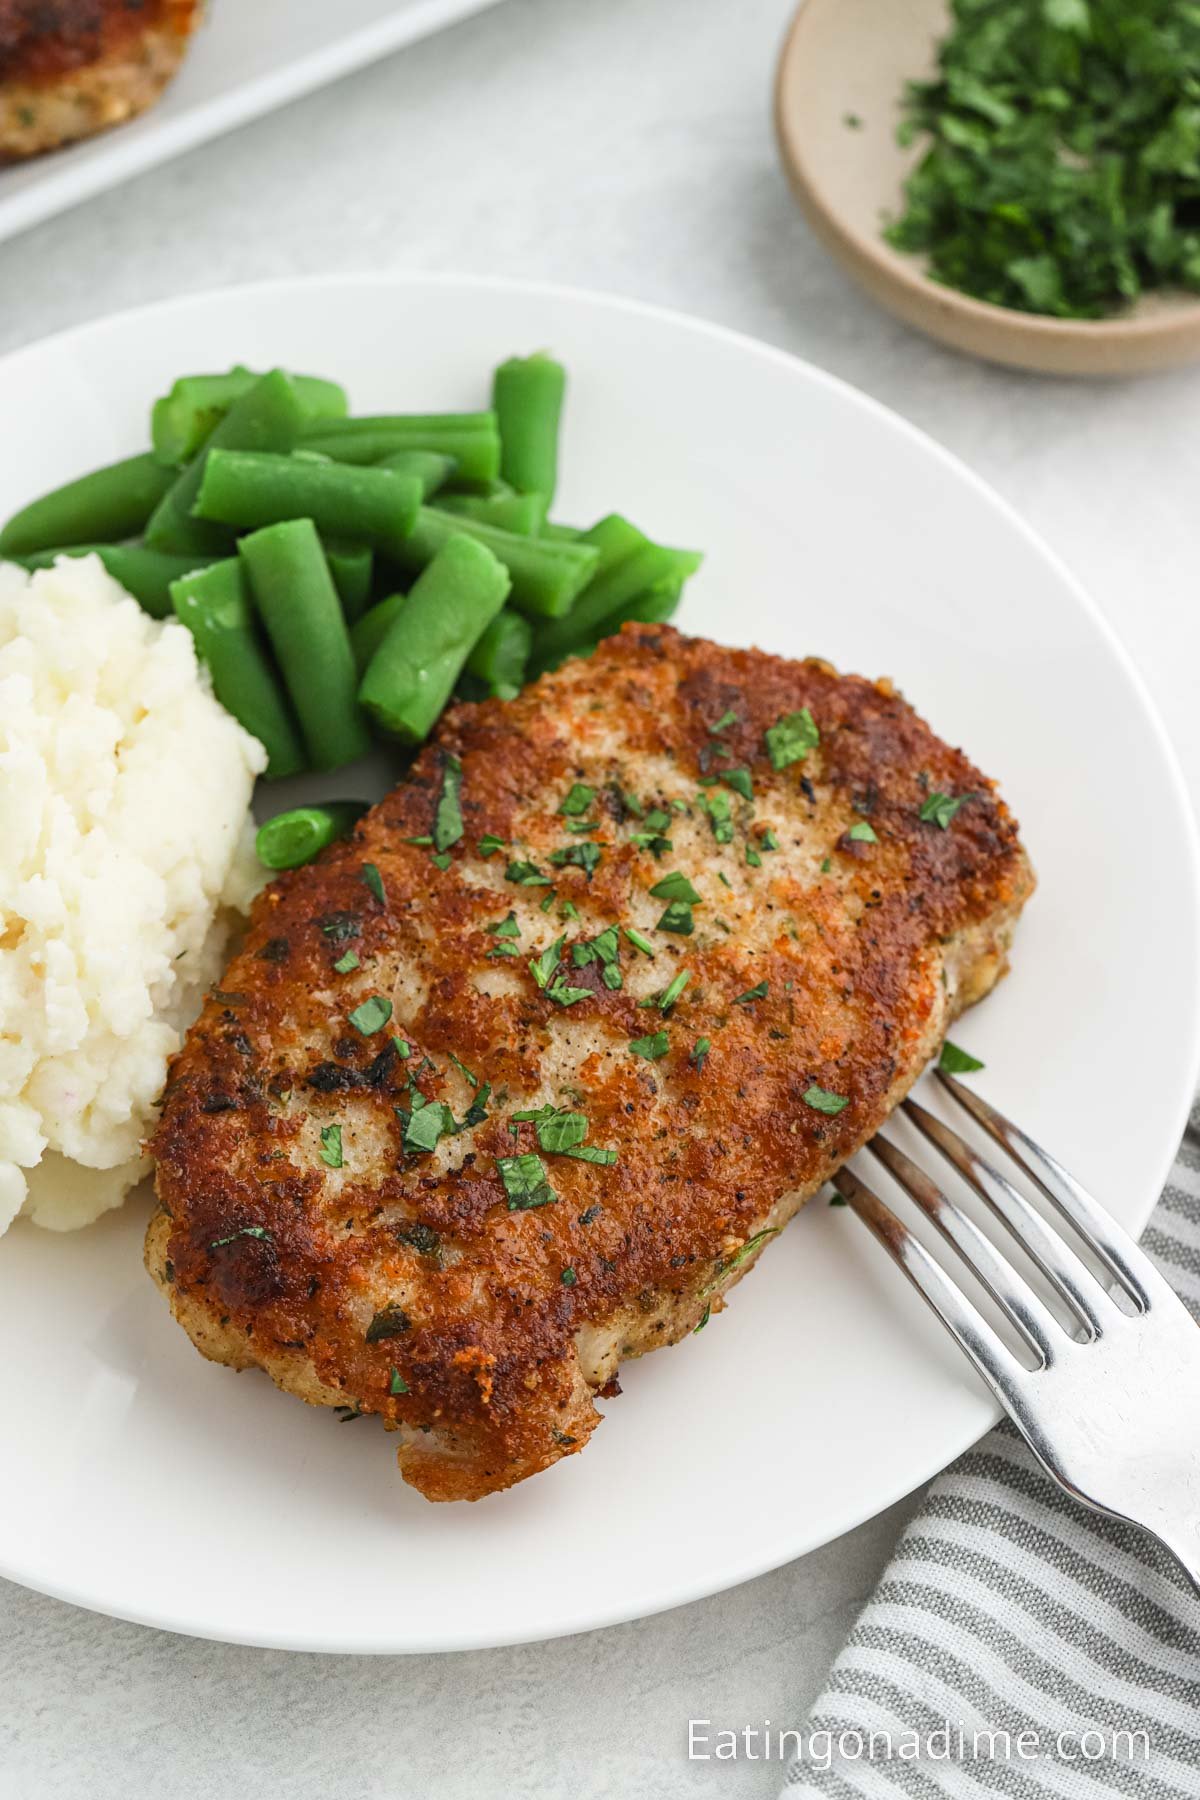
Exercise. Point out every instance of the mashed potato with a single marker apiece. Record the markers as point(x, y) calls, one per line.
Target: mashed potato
point(125, 852)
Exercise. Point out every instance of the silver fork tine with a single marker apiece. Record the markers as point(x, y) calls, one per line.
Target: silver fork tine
point(989, 1354)
point(1035, 1322)
point(1121, 1257)
point(1068, 1275)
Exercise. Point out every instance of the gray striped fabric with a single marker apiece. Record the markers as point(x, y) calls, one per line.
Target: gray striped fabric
point(1008, 1609)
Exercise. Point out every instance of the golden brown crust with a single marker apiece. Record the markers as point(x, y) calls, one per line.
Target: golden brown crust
point(272, 1258)
point(69, 68)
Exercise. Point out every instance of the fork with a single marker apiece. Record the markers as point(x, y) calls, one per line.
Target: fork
point(1111, 1407)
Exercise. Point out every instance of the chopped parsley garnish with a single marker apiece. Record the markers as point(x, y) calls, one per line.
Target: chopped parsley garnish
point(822, 1101)
point(426, 1124)
point(425, 840)
point(254, 1231)
point(372, 1015)
point(675, 887)
point(639, 942)
point(402, 1047)
point(724, 722)
point(525, 874)
point(374, 880)
point(652, 841)
point(525, 1181)
point(568, 910)
point(505, 928)
point(560, 1132)
point(542, 967)
point(717, 808)
point(441, 860)
point(677, 917)
point(563, 994)
point(632, 805)
point(397, 1383)
point(758, 992)
point(705, 1316)
point(581, 856)
point(477, 1111)
point(723, 878)
point(568, 1277)
point(752, 857)
point(939, 809)
point(728, 1264)
point(826, 865)
point(591, 1215)
point(700, 1052)
point(957, 1062)
point(489, 844)
point(581, 825)
point(546, 902)
point(605, 949)
point(339, 926)
point(862, 833)
point(557, 1127)
point(391, 1321)
point(769, 840)
point(1059, 154)
point(463, 1069)
point(739, 781)
point(652, 1047)
point(578, 800)
point(657, 819)
point(346, 963)
point(836, 1200)
point(331, 1146)
point(791, 738)
point(670, 995)
point(421, 1238)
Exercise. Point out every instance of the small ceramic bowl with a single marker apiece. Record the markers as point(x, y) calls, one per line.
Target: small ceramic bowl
point(841, 73)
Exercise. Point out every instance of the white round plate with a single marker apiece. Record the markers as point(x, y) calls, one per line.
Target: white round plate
point(144, 1482)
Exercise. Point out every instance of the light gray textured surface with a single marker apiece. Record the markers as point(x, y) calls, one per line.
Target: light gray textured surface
point(622, 145)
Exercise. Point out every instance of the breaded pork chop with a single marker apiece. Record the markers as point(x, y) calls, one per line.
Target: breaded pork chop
point(69, 68)
point(709, 915)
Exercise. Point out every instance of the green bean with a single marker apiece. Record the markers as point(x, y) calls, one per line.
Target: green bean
point(500, 655)
point(110, 503)
point(298, 603)
point(369, 632)
point(654, 607)
point(352, 567)
point(267, 416)
point(250, 490)
point(481, 490)
point(565, 534)
point(146, 574)
point(523, 513)
point(293, 838)
point(473, 439)
point(214, 606)
point(412, 674)
point(527, 394)
point(431, 469)
point(629, 564)
point(182, 419)
point(546, 577)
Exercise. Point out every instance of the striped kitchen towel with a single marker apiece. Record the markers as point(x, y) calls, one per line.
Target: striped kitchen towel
point(1018, 1644)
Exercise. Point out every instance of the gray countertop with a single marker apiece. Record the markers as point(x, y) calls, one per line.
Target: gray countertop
point(622, 145)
